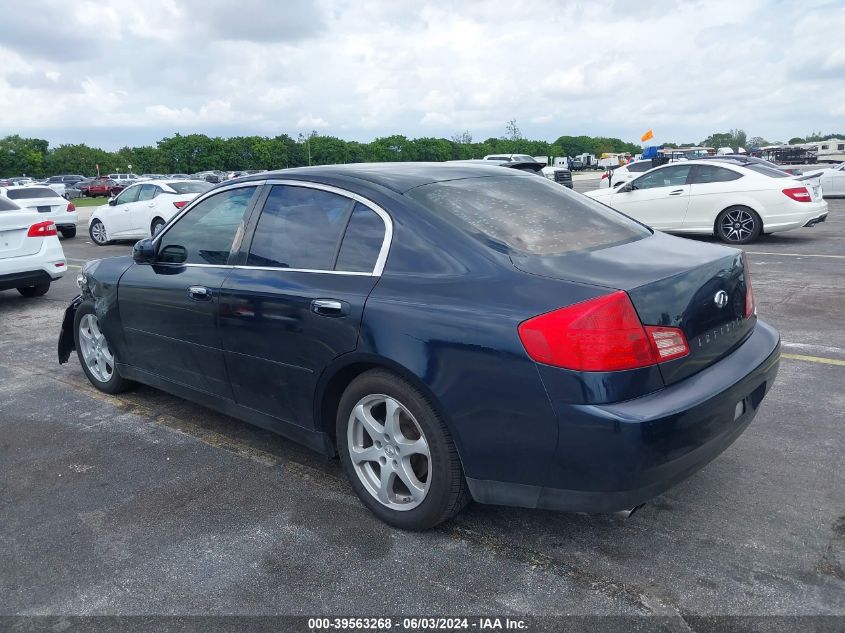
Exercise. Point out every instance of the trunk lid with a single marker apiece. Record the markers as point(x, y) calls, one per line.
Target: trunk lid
point(14, 226)
point(671, 282)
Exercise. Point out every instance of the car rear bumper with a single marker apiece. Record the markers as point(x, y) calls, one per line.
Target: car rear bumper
point(614, 457)
point(48, 264)
point(799, 214)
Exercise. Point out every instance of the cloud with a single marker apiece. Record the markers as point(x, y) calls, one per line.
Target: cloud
point(422, 67)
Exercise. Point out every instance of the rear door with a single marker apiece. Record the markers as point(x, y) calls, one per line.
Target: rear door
point(169, 309)
point(658, 198)
point(295, 301)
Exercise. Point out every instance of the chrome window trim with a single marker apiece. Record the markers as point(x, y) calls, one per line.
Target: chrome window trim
point(381, 260)
point(268, 268)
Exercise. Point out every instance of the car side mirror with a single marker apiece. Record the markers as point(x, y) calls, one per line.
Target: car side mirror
point(144, 251)
point(112, 201)
point(626, 188)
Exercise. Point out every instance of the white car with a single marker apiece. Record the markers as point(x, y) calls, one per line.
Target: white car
point(735, 202)
point(49, 204)
point(625, 173)
point(832, 180)
point(31, 256)
point(142, 209)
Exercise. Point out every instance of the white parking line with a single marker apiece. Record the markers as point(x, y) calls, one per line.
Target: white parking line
point(795, 254)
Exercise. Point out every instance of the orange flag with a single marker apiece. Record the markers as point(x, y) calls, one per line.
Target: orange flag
point(647, 136)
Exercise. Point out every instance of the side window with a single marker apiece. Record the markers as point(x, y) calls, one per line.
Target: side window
point(361, 242)
point(128, 195)
point(704, 174)
point(147, 192)
point(206, 233)
point(640, 167)
point(673, 176)
point(299, 227)
point(840, 146)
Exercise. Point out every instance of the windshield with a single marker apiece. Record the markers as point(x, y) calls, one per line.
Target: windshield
point(190, 187)
point(29, 193)
point(525, 215)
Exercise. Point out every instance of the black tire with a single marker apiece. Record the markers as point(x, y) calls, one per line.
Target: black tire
point(92, 232)
point(68, 233)
point(738, 225)
point(116, 383)
point(156, 226)
point(447, 491)
point(35, 291)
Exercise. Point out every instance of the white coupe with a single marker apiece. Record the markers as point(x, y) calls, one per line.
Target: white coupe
point(737, 203)
point(142, 209)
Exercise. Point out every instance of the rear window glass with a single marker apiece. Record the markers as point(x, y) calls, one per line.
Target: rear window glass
point(767, 171)
point(641, 166)
point(8, 205)
point(31, 192)
point(189, 187)
point(528, 215)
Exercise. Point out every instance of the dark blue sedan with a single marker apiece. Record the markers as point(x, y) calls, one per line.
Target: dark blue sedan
point(451, 332)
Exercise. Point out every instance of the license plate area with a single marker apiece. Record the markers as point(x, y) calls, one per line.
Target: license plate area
point(44, 209)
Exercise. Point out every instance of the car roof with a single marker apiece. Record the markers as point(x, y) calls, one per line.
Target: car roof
point(399, 177)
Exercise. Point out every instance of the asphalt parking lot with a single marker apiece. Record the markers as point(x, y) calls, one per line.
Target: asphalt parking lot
point(146, 504)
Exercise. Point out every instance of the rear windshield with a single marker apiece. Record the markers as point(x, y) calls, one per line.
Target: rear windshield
point(8, 205)
point(189, 187)
point(527, 215)
point(767, 171)
point(31, 192)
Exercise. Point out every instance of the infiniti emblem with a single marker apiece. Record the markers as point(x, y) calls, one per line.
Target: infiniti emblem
point(721, 299)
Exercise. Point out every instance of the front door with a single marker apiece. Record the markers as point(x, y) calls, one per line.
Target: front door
point(120, 213)
point(169, 308)
point(295, 302)
point(658, 198)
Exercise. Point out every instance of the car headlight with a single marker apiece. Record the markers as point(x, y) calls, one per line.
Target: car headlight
point(81, 280)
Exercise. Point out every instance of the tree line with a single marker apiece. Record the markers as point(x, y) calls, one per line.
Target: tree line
point(192, 153)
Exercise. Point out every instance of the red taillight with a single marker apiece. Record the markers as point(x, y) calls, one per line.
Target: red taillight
point(70, 207)
point(180, 203)
point(42, 229)
point(604, 175)
point(750, 307)
point(601, 334)
point(799, 194)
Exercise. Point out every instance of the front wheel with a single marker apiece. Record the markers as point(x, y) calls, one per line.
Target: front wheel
point(38, 290)
point(398, 453)
point(97, 231)
point(156, 226)
point(738, 225)
point(95, 354)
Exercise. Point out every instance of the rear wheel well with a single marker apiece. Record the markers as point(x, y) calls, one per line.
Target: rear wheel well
point(334, 391)
point(733, 206)
point(155, 221)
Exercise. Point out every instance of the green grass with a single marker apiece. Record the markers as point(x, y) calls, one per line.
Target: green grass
point(89, 202)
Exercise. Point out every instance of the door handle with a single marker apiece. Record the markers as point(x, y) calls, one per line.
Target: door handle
point(677, 192)
point(329, 307)
point(199, 293)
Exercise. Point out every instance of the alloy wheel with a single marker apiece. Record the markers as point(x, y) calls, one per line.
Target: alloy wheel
point(389, 452)
point(737, 225)
point(98, 233)
point(95, 350)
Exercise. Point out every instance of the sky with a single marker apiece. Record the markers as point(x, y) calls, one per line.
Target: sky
point(111, 73)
